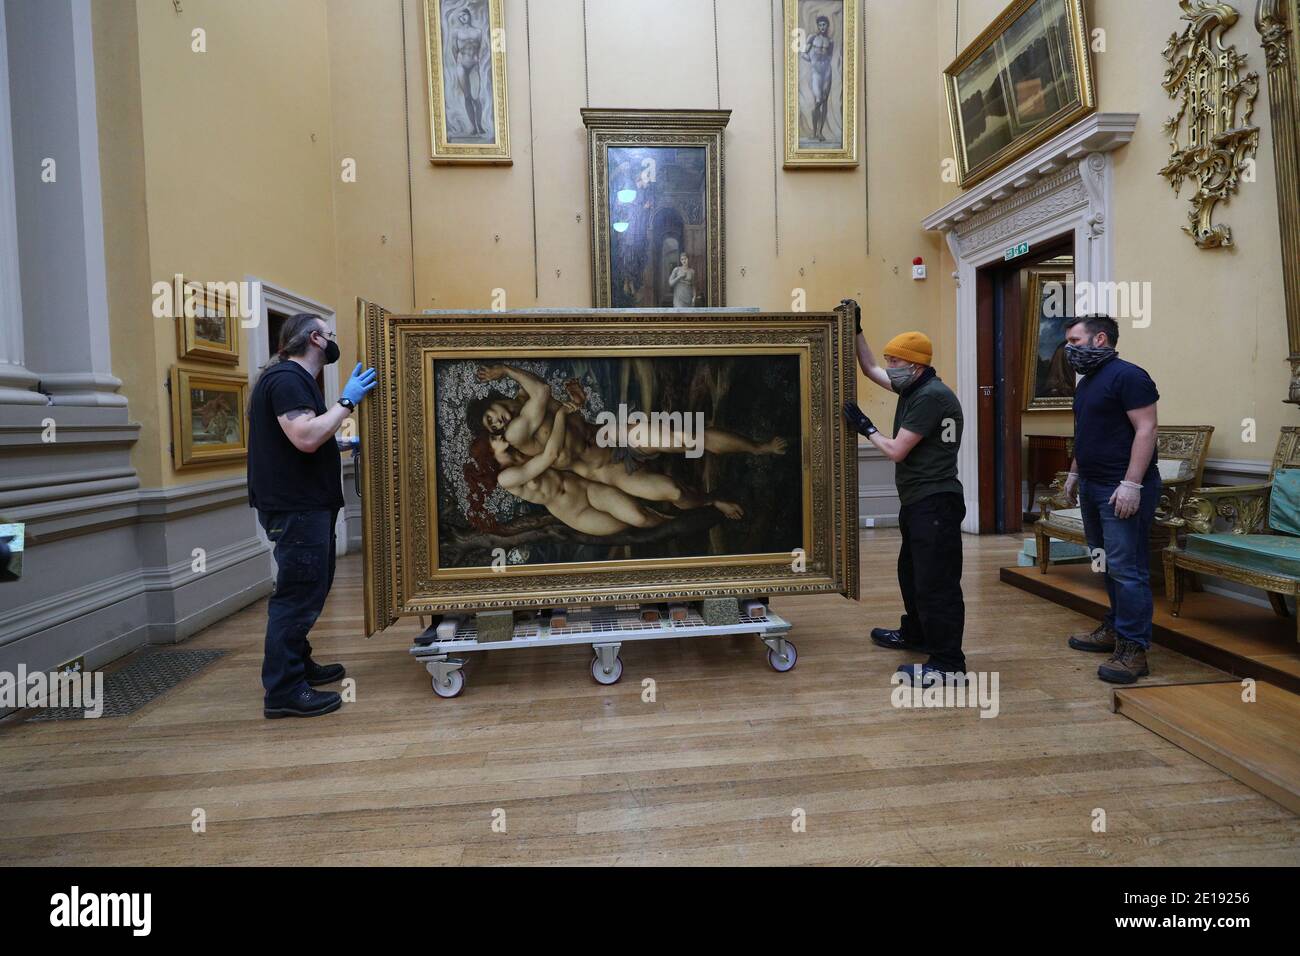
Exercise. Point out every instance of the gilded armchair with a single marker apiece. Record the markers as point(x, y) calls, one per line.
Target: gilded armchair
point(1251, 552)
point(1182, 450)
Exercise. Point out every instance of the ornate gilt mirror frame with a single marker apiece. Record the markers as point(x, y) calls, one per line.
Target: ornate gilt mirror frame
point(1278, 23)
point(606, 129)
point(399, 429)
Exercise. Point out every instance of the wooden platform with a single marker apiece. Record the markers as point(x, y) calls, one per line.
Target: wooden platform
point(1244, 640)
point(713, 770)
point(1256, 742)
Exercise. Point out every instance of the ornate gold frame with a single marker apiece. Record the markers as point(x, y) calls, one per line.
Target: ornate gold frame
point(1046, 129)
point(401, 576)
point(183, 454)
point(1048, 271)
point(606, 128)
point(1278, 23)
point(441, 151)
point(189, 345)
point(1213, 156)
point(796, 156)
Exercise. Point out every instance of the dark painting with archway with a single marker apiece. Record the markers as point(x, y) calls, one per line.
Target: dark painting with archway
point(658, 214)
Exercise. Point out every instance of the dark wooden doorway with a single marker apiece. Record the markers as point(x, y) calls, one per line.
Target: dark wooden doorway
point(1002, 297)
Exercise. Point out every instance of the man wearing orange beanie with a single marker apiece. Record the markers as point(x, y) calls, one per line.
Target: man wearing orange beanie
point(927, 435)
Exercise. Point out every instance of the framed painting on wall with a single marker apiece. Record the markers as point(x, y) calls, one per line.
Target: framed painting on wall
point(465, 65)
point(821, 82)
point(1049, 307)
point(1023, 80)
point(657, 233)
point(207, 324)
point(208, 422)
point(605, 457)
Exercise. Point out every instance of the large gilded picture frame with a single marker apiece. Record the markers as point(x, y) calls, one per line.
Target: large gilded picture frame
point(1049, 307)
point(656, 191)
point(465, 72)
point(445, 379)
point(1023, 80)
point(821, 82)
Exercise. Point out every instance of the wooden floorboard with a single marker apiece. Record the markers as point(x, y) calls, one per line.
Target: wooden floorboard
point(713, 771)
point(1254, 737)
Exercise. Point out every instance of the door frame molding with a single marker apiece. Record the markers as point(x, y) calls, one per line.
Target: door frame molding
point(1063, 186)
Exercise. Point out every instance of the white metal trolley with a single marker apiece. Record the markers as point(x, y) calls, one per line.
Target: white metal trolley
point(606, 629)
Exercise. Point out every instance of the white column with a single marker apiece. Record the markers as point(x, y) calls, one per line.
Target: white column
point(16, 383)
point(61, 223)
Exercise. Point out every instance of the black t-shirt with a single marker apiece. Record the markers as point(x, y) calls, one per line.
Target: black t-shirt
point(280, 477)
point(1103, 434)
point(930, 409)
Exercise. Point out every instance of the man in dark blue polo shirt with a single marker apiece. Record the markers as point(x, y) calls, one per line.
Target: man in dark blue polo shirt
point(295, 485)
point(1114, 475)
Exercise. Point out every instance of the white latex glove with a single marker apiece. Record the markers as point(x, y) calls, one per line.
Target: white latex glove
point(1071, 490)
point(1126, 499)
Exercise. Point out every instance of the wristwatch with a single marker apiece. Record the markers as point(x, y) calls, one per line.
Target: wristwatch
point(349, 405)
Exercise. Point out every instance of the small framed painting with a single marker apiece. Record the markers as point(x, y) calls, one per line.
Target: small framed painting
point(466, 70)
point(207, 324)
point(1049, 308)
point(821, 82)
point(1022, 81)
point(208, 424)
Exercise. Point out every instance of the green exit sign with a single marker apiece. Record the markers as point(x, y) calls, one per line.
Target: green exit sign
point(1014, 252)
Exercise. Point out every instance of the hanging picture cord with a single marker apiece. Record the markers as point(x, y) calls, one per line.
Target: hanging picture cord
point(532, 149)
point(717, 66)
point(776, 201)
point(586, 71)
point(406, 114)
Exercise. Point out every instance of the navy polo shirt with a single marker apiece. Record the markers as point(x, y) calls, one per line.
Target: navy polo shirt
point(1103, 434)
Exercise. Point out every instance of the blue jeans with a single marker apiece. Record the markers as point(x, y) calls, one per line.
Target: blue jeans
point(1126, 547)
point(304, 557)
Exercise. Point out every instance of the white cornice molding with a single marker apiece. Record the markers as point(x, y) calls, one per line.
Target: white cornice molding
point(1098, 133)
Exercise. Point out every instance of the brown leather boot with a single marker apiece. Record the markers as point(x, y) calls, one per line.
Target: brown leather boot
point(1126, 665)
point(1100, 639)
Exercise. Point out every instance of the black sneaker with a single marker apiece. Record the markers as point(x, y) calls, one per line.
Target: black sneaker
point(307, 703)
point(318, 674)
point(892, 640)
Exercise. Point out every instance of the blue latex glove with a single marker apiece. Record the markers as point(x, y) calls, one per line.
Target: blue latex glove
point(360, 384)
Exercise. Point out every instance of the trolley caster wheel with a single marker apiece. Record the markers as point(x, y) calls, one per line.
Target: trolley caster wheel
point(782, 664)
point(454, 685)
point(600, 675)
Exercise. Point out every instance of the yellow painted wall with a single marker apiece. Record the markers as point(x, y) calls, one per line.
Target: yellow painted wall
point(473, 228)
point(236, 168)
point(1216, 346)
point(239, 173)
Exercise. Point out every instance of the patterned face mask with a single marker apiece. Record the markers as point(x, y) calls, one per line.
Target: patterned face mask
point(1088, 358)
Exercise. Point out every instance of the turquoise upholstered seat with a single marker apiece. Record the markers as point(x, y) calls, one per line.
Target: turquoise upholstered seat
point(1266, 553)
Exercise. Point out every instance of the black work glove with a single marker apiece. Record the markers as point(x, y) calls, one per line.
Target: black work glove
point(859, 420)
point(857, 312)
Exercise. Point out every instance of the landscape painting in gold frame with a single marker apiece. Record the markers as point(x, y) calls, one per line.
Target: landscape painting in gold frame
point(207, 323)
point(1023, 80)
point(821, 82)
point(465, 69)
point(208, 422)
point(489, 482)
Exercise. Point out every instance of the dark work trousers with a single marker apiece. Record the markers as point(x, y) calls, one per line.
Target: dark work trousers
point(929, 574)
point(304, 556)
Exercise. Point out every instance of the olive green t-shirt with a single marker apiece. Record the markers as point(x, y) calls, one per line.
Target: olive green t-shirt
point(932, 411)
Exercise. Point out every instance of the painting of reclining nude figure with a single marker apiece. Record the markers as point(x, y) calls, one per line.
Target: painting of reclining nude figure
point(544, 461)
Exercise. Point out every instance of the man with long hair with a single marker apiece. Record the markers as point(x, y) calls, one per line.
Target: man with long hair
point(294, 482)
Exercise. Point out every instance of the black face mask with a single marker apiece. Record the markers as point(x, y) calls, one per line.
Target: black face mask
point(331, 351)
